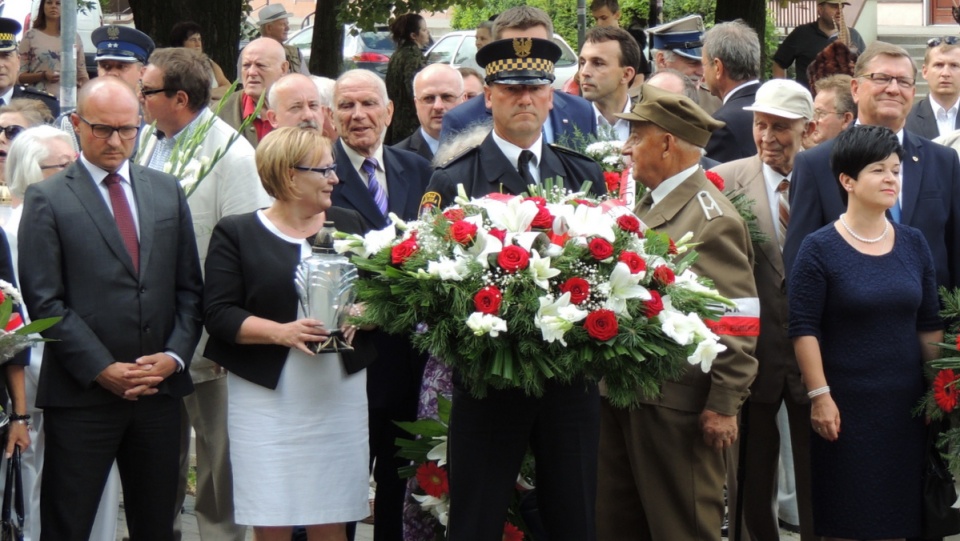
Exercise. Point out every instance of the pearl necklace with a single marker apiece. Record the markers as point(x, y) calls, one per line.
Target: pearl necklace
point(886, 229)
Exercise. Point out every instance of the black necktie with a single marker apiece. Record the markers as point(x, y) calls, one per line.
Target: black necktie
point(523, 166)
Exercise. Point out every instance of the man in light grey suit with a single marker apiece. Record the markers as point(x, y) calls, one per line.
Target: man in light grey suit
point(782, 117)
point(231, 187)
point(109, 247)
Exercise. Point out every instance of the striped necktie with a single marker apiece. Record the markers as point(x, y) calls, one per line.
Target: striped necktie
point(373, 185)
point(783, 202)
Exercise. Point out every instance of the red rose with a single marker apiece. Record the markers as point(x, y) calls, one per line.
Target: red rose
point(454, 215)
point(601, 325)
point(511, 533)
point(672, 249)
point(541, 202)
point(499, 233)
point(664, 275)
point(654, 305)
point(463, 232)
point(945, 390)
point(600, 248)
point(634, 261)
point(402, 252)
point(629, 223)
point(513, 259)
point(578, 288)
point(612, 180)
point(543, 219)
point(433, 479)
point(487, 300)
point(716, 179)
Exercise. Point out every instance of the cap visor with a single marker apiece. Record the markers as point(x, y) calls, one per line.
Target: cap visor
point(773, 111)
point(128, 59)
point(523, 81)
point(695, 54)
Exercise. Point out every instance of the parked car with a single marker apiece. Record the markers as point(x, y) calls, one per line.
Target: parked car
point(459, 49)
point(89, 18)
point(368, 50)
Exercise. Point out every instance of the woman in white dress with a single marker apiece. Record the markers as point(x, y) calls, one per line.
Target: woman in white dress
point(297, 421)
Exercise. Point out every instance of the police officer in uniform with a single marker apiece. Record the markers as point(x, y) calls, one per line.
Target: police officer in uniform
point(661, 465)
point(489, 436)
point(10, 70)
point(677, 45)
point(519, 73)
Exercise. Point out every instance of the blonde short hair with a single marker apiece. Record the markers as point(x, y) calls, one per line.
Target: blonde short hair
point(280, 151)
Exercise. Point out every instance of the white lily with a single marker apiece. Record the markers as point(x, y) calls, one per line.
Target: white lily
point(706, 352)
point(438, 507)
point(541, 270)
point(483, 245)
point(555, 318)
point(449, 269)
point(584, 221)
point(680, 327)
point(515, 216)
point(439, 451)
point(482, 324)
point(622, 286)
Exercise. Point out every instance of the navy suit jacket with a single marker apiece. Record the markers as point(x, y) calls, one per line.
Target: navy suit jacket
point(923, 122)
point(407, 178)
point(930, 200)
point(735, 140)
point(569, 113)
point(416, 144)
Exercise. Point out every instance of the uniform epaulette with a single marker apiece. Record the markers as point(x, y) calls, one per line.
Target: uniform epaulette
point(458, 156)
point(569, 151)
point(709, 205)
point(34, 91)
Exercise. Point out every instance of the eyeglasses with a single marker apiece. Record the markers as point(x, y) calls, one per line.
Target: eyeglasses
point(429, 99)
point(11, 131)
point(327, 171)
point(820, 113)
point(883, 79)
point(149, 92)
point(103, 131)
point(948, 40)
point(55, 166)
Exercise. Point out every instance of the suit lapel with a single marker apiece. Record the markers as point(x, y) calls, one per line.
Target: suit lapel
point(497, 169)
point(396, 183)
point(912, 173)
point(146, 209)
point(669, 206)
point(756, 190)
point(81, 184)
point(354, 191)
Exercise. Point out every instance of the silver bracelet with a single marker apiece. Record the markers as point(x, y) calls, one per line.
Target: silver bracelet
point(818, 391)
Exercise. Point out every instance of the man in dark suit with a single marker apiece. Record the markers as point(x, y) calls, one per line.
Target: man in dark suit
point(10, 70)
point(883, 87)
point(376, 180)
point(119, 264)
point(569, 113)
point(437, 89)
point(488, 436)
point(936, 115)
point(731, 70)
point(783, 116)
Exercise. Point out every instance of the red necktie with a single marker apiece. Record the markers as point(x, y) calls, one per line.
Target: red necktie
point(124, 218)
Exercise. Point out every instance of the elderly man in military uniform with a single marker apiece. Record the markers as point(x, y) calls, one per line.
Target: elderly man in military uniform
point(10, 70)
point(661, 465)
point(677, 45)
point(489, 436)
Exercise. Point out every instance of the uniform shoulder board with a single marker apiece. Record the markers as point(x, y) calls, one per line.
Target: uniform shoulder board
point(569, 151)
point(709, 205)
point(456, 157)
point(35, 92)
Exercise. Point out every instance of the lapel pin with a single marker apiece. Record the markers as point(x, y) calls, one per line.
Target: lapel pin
point(565, 121)
point(916, 159)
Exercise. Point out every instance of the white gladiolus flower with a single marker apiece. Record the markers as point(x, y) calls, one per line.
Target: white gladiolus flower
point(482, 324)
point(555, 318)
point(680, 327)
point(375, 241)
point(706, 352)
point(622, 286)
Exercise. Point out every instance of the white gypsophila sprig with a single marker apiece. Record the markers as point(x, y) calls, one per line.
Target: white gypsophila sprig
point(11, 292)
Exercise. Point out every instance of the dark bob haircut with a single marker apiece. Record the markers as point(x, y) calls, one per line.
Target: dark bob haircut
point(183, 30)
point(857, 147)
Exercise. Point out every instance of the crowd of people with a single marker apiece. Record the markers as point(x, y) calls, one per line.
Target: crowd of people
point(179, 310)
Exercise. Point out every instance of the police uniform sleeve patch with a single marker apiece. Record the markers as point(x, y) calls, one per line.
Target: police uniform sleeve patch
point(430, 200)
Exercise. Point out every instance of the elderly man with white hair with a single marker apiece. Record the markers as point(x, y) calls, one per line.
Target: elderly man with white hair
point(325, 87)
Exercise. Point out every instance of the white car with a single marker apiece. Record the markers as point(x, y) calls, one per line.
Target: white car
point(459, 49)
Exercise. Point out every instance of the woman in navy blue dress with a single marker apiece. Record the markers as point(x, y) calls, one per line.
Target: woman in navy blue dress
point(863, 313)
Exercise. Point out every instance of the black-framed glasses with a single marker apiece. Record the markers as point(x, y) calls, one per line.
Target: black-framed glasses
point(883, 79)
point(948, 40)
point(103, 131)
point(147, 92)
point(11, 131)
point(55, 166)
point(327, 171)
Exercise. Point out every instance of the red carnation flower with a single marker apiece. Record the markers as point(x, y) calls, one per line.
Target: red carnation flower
point(664, 275)
point(499, 233)
point(454, 215)
point(612, 180)
point(511, 533)
point(672, 249)
point(463, 232)
point(600, 248)
point(513, 259)
point(402, 252)
point(634, 261)
point(602, 325)
point(655, 305)
point(541, 202)
point(716, 179)
point(629, 223)
point(487, 300)
point(543, 219)
point(433, 479)
point(945, 390)
point(578, 288)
